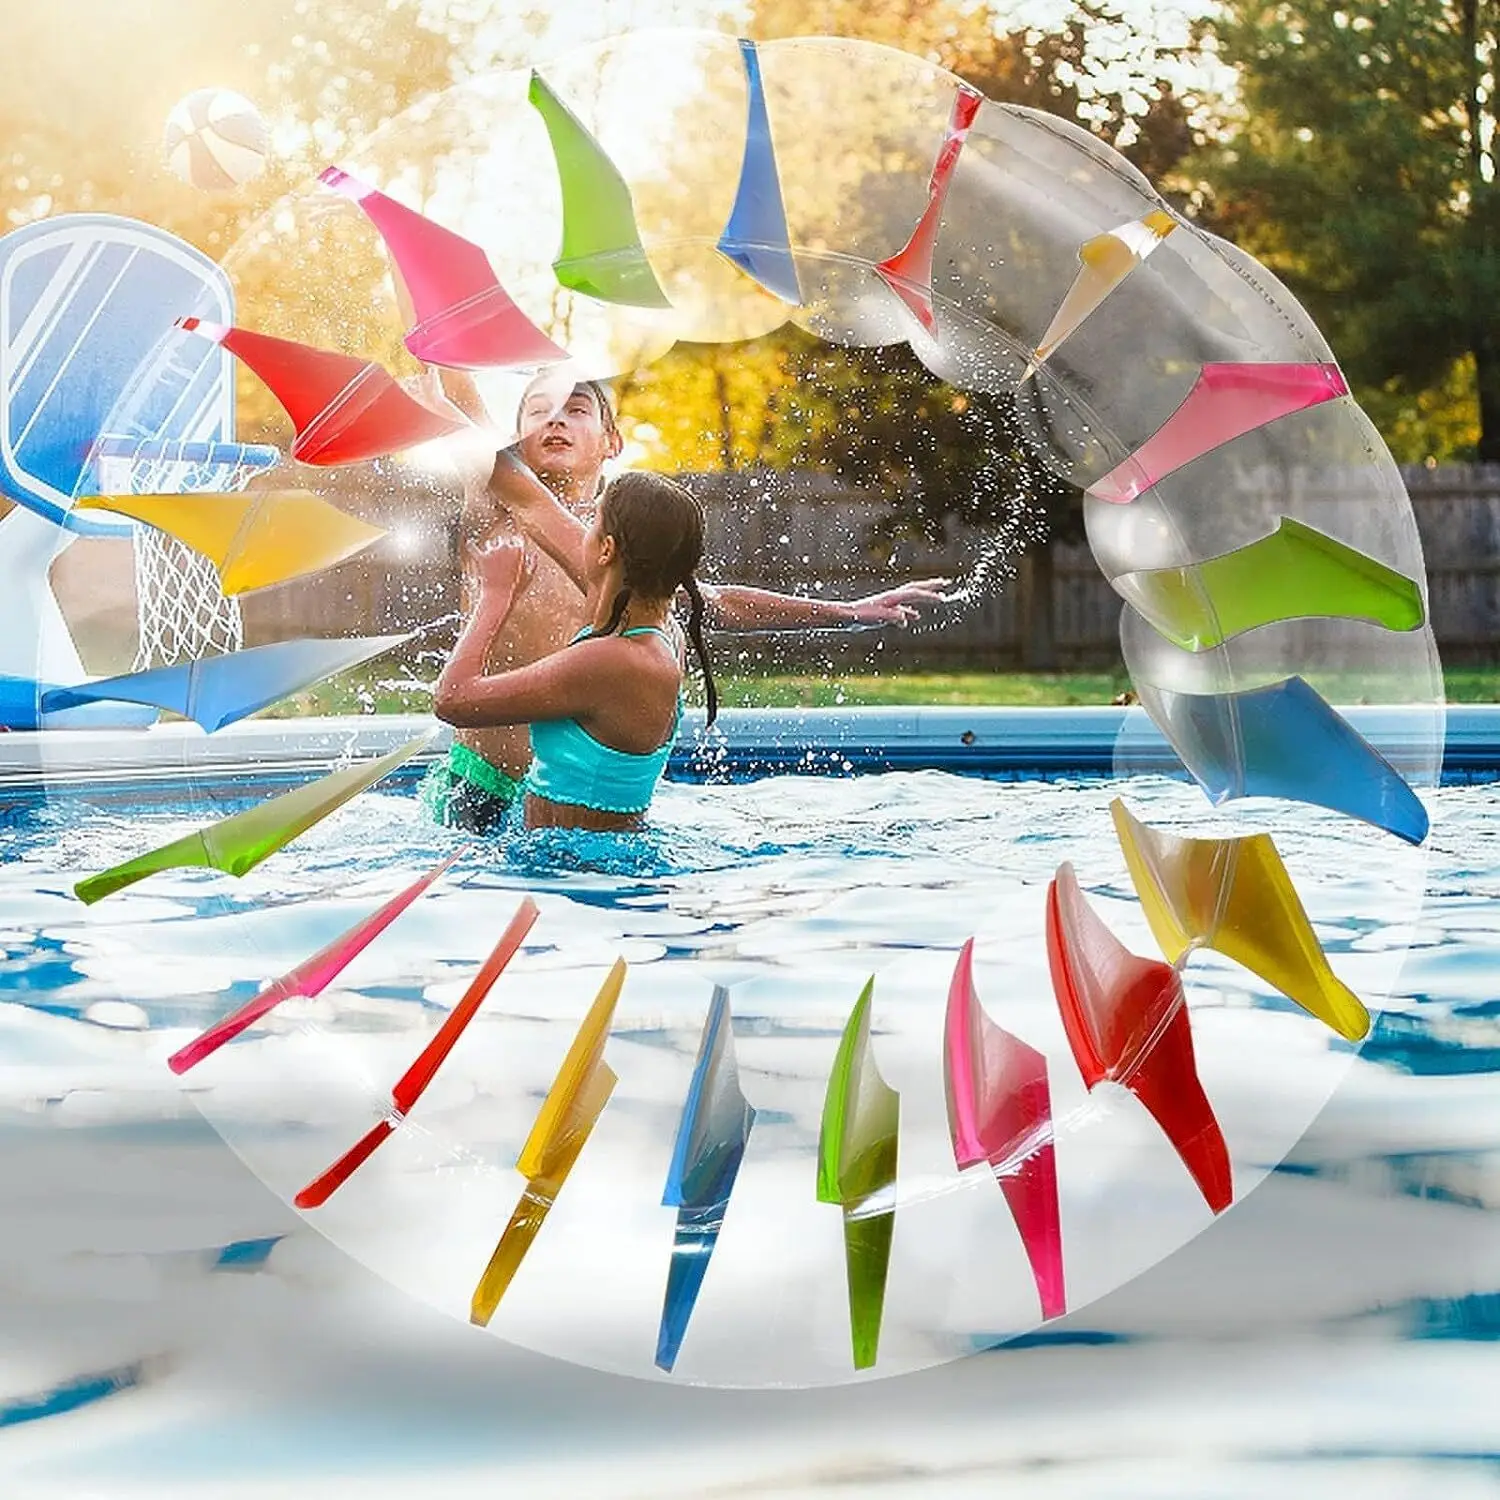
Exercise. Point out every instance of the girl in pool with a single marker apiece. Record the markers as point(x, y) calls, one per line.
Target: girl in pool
point(604, 710)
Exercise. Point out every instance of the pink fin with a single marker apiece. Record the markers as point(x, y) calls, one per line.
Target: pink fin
point(465, 319)
point(1000, 1112)
point(1226, 401)
point(311, 977)
point(1127, 1023)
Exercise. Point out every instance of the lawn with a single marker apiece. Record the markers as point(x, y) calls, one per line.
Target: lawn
point(1058, 689)
point(907, 688)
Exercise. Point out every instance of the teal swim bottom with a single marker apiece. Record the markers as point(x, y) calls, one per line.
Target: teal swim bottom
point(465, 791)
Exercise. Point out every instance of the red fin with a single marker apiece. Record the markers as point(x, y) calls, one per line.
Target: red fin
point(345, 409)
point(1127, 1022)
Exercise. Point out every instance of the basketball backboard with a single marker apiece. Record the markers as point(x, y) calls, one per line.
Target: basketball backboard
point(88, 308)
point(95, 377)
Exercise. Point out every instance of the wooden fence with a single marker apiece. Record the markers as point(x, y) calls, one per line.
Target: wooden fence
point(799, 533)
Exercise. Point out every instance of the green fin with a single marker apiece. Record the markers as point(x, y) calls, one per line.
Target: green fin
point(601, 253)
point(1297, 572)
point(239, 843)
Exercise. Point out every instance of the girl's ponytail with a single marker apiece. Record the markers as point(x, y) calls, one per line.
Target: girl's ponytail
point(616, 612)
point(695, 634)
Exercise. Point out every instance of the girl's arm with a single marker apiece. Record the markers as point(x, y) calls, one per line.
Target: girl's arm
point(537, 512)
point(560, 686)
point(735, 607)
point(499, 569)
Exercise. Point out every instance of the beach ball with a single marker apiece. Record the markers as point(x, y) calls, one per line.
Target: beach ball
point(216, 139)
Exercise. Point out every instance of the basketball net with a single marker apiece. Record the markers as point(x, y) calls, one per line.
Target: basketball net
point(181, 612)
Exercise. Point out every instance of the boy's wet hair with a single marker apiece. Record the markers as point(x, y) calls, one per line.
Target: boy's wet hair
point(595, 388)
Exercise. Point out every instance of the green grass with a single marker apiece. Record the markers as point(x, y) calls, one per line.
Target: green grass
point(363, 690)
point(1472, 684)
point(379, 686)
point(915, 688)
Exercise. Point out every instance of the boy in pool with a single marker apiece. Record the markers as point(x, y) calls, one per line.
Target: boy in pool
point(567, 435)
point(603, 712)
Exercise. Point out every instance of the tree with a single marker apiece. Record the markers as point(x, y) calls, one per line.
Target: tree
point(1128, 78)
point(325, 74)
point(705, 407)
point(1130, 72)
point(1360, 167)
point(878, 423)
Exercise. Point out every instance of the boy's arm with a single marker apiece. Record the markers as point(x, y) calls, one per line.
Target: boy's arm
point(537, 512)
point(461, 389)
point(511, 485)
point(735, 607)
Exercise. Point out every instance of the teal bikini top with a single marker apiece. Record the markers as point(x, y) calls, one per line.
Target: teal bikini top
point(570, 766)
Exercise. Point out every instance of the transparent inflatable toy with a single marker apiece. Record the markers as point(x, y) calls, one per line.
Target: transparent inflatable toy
point(823, 1131)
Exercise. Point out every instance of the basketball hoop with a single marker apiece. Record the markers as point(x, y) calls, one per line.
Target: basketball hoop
point(181, 611)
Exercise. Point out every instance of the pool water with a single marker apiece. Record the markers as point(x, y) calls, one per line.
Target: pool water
point(791, 892)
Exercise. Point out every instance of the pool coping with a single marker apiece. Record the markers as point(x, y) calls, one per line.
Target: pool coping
point(743, 743)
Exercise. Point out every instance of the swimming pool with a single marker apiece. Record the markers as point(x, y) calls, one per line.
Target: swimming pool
point(791, 891)
point(1025, 743)
point(1338, 1326)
